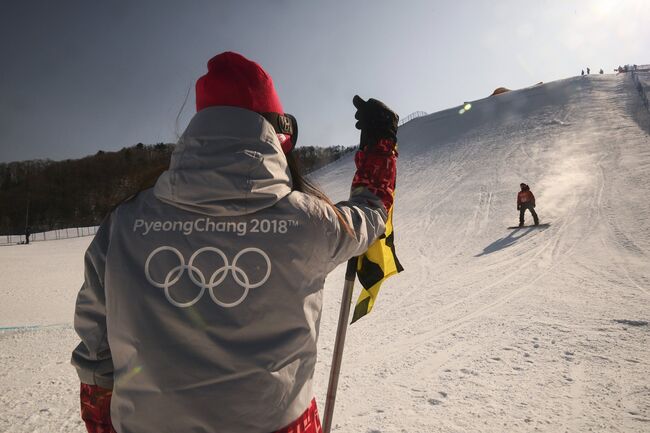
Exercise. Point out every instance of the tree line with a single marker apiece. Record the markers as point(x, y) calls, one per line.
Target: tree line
point(49, 195)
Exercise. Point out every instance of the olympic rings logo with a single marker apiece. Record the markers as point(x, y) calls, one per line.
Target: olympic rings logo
point(198, 278)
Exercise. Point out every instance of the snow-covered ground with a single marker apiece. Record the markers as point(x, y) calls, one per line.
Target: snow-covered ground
point(488, 329)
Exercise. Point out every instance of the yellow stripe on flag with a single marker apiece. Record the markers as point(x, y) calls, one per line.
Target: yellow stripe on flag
point(374, 267)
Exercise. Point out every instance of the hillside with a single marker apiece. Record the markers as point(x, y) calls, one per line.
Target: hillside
point(488, 329)
point(497, 330)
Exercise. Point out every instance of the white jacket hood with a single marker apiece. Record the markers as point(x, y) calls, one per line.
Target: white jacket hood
point(227, 162)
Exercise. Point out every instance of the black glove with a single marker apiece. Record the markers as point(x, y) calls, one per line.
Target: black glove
point(518, 207)
point(375, 120)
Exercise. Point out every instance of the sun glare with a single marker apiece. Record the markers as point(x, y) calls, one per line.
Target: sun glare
point(603, 8)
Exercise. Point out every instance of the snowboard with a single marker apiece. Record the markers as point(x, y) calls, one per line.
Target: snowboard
point(538, 226)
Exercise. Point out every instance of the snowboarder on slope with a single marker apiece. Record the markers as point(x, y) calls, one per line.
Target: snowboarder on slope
point(202, 297)
point(526, 200)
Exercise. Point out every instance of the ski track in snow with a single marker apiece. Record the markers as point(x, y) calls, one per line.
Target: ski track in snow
point(488, 329)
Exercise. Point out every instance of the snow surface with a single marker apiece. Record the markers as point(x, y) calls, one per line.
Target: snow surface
point(488, 329)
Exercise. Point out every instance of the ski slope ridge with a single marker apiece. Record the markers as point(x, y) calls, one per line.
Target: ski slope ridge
point(488, 329)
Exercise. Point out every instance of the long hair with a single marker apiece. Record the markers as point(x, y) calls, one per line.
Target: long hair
point(306, 186)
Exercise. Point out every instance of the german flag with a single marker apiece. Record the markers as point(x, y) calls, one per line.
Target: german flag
point(374, 267)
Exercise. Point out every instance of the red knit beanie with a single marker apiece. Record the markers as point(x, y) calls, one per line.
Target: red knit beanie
point(235, 81)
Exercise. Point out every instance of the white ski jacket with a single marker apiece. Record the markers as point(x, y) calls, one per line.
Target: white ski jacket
point(202, 296)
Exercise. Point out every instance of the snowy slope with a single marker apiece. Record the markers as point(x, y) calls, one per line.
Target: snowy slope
point(488, 329)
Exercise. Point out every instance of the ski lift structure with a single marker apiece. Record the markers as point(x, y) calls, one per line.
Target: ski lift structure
point(413, 115)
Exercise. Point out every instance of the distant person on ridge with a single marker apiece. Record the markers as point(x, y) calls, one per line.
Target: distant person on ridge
point(601, 71)
point(588, 71)
point(582, 72)
point(28, 232)
point(526, 200)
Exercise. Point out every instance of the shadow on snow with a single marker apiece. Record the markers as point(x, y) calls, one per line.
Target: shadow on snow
point(506, 241)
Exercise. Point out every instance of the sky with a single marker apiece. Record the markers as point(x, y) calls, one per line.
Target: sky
point(78, 76)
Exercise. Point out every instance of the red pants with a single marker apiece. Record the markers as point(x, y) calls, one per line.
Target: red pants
point(96, 413)
point(308, 422)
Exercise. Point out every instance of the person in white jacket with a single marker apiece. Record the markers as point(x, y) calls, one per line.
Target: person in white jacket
point(202, 297)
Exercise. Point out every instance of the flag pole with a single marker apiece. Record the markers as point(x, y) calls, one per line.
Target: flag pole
point(341, 330)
